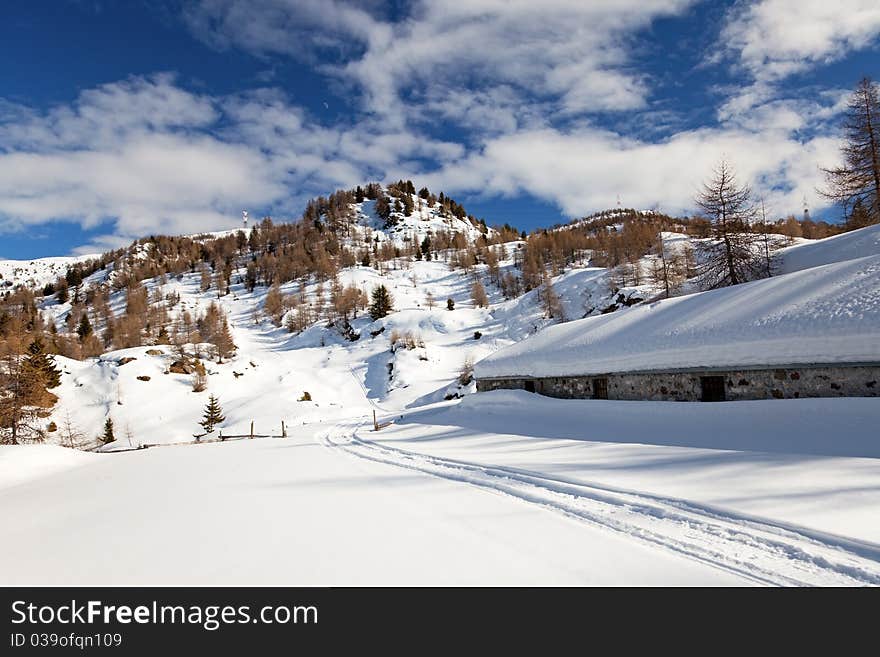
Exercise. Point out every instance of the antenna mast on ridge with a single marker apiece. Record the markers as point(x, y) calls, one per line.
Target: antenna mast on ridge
point(244, 218)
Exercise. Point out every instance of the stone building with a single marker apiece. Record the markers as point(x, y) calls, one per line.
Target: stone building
point(810, 333)
point(704, 384)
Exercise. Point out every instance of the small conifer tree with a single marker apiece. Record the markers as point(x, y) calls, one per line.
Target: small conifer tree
point(40, 361)
point(107, 436)
point(213, 414)
point(84, 329)
point(382, 303)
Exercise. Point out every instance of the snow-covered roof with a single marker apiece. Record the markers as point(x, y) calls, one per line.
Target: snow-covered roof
point(825, 314)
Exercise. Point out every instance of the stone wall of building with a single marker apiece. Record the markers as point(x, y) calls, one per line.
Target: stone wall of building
point(781, 383)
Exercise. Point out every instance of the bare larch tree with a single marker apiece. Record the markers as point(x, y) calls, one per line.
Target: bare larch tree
point(855, 185)
point(730, 257)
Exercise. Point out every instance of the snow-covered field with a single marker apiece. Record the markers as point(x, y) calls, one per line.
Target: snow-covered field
point(776, 492)
point(495, 488)
point(292, 511)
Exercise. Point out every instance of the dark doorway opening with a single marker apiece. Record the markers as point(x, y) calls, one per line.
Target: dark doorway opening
point(600, 388)
point(712, 388)
point(530, 386)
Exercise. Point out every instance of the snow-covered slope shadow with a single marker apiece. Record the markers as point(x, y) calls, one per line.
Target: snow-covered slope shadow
point(824, 427)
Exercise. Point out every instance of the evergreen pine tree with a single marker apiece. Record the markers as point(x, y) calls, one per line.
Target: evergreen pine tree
point(41, 362)
point(84, 329)
point(382, 303)
point(213, 414)
point(107, 436)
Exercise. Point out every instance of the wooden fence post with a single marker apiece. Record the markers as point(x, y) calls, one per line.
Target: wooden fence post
point(283, 430)
point(375, 425)
point(252, 428)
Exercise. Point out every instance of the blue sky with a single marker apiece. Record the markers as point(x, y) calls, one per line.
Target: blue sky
point(123, 119)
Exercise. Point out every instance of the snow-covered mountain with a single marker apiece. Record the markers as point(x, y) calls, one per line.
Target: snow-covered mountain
point(676, 493)
point(273, 368)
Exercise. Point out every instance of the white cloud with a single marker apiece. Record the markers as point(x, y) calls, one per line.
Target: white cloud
point(105, 114)
point(776, 38)
point(586, 170)
point(773, 39)
point(155, 158)
point(570, 52)
point(136, 152)
point(517, 76)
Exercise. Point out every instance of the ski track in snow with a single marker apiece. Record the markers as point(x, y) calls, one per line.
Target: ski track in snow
point(760, 550)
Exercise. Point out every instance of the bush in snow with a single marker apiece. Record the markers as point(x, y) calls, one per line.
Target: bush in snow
point(408, 340)
point(305, 396)
point(199, 377)
point(274, 305)
point(466, 374)
point(450, 304)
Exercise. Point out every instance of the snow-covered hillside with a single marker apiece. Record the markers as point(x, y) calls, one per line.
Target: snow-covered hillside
point(36, 273)
point(423, 222)
point(833, 308)
point(273, 368)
